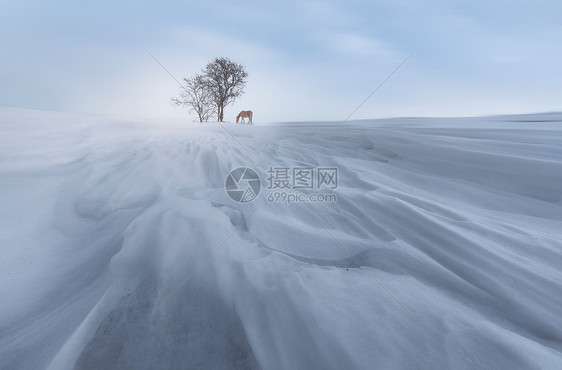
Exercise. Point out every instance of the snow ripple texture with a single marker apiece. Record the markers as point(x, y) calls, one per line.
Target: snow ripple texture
point(121, 250)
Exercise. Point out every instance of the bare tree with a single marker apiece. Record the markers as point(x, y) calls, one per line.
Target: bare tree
point(197, 97)
point(225, 80)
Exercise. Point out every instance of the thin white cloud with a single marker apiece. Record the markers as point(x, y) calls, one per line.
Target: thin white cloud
point(356, 44)
point(326, 13)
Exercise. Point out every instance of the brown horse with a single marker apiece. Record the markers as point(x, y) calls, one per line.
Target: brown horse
point(245, 114)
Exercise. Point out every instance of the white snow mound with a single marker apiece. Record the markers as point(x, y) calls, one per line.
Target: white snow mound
point(121, 249)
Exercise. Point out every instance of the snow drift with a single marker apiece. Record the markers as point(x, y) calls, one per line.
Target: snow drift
point(120, 248)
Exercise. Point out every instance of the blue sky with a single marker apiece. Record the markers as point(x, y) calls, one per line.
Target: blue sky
point(313, 60)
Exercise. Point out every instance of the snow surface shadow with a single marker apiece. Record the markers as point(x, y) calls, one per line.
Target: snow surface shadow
point(194, 333)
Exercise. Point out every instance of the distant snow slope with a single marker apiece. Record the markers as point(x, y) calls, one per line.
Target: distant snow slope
point(119, 247)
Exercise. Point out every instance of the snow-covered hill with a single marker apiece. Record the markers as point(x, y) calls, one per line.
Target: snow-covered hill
point(119, 247)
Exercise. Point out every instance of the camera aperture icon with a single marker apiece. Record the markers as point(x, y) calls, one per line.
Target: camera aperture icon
point(242, 185)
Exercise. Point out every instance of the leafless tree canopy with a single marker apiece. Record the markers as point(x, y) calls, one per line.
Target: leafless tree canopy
point(196, 96)
point(221, 83)
point(226, 80)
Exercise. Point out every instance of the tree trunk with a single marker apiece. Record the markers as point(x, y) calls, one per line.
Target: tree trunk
point(221, 113)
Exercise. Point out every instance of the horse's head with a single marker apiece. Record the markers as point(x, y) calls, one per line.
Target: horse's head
point(237, 118)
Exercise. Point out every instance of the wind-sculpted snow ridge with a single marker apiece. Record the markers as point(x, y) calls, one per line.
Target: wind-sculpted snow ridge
point(121, 249)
